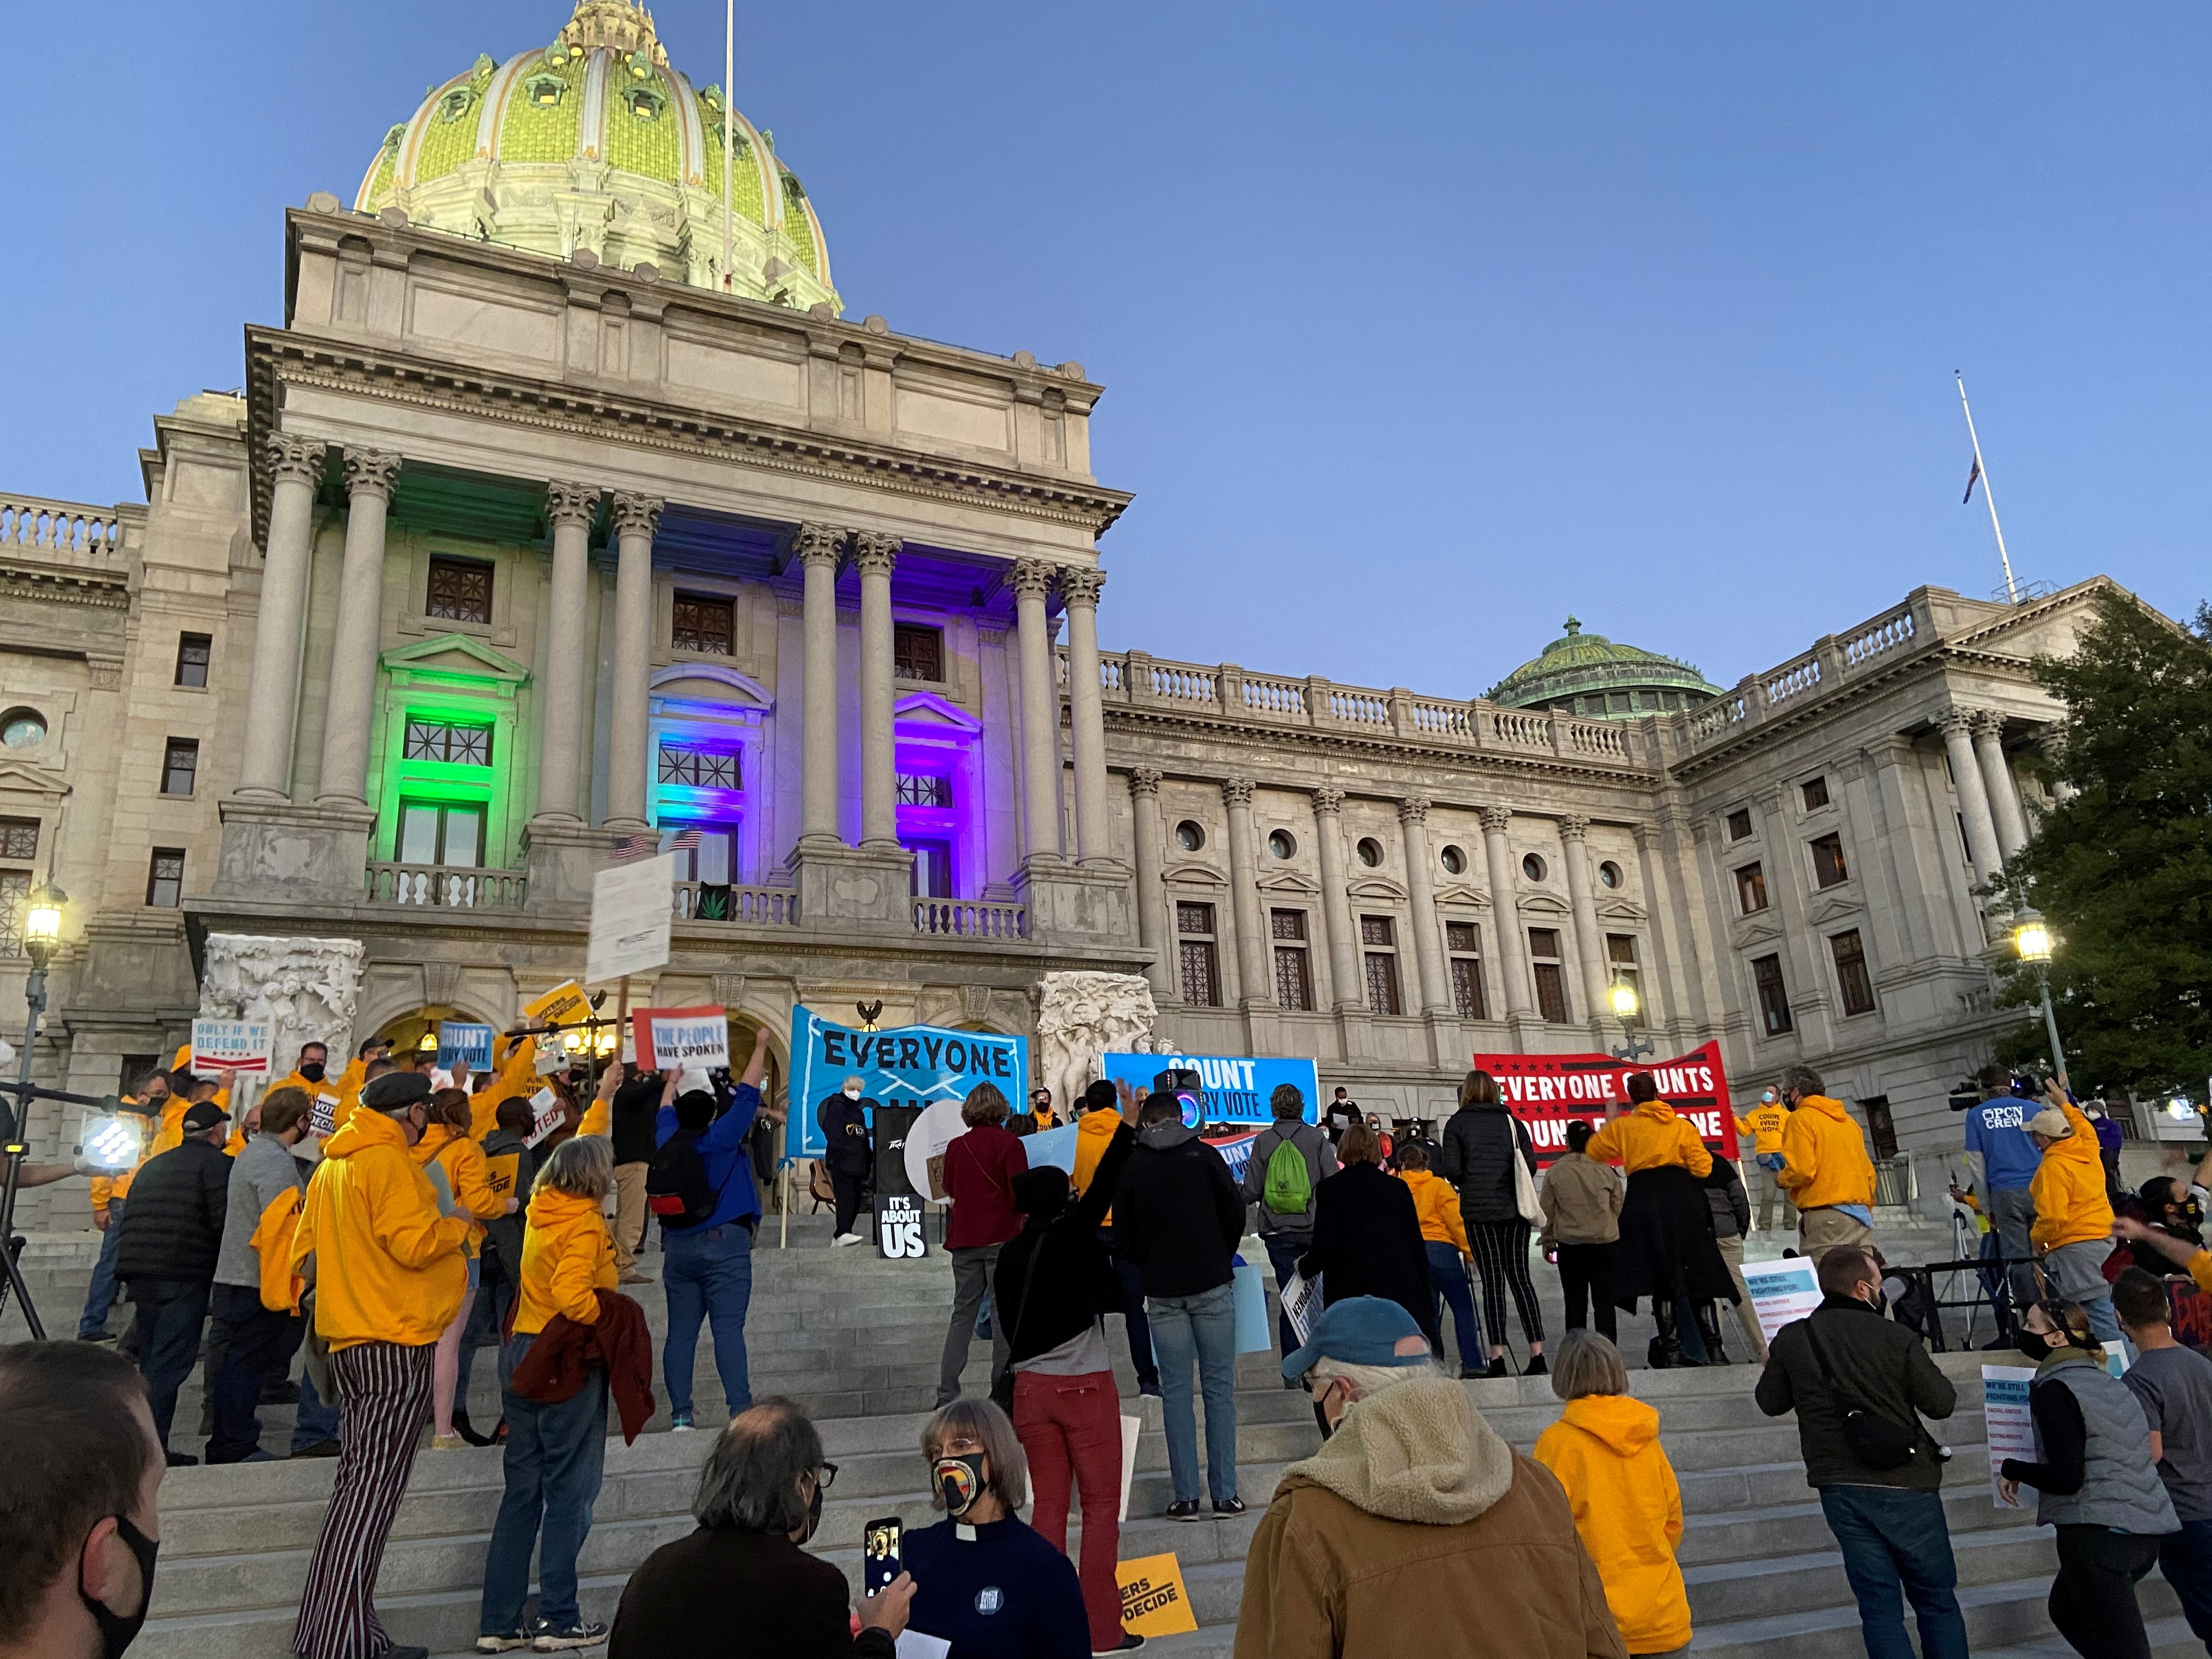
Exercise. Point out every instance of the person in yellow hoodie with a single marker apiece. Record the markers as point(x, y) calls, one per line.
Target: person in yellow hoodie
point(1763, 1164)
point(1443, 1236)
point(1826, 1167)
point(1628, 1505)
point(389, 1270)
point(2073, 1228)
point(447, 1145)
point(1666, 1250)
point(556, 1450)
point(1094, 1132)
point(148, 1100)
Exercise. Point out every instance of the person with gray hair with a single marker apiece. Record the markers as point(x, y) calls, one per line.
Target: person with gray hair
point(759, 1500)
point(844, 1120)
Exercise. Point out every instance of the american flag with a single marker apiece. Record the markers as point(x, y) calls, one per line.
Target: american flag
point(641, 847)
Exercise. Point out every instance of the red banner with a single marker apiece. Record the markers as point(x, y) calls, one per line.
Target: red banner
point(1549, 1092)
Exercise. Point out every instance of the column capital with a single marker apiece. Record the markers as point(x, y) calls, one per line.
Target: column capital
point(1495, 820)
point(1032, 579)
point(1237, 793)
point(1988, 723)
point(819, 543)
point(1574, 827)
point(1414, 809)
point(874, 553)
point(299, 459)
point(571, 503)
point(1647, 835)
point(1078, 589)
point(371, 472)
point(1956, 722)
point(1143, 780)
point(636, 515)
point(1327, 802)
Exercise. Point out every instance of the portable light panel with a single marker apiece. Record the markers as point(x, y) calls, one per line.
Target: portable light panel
point(111, 1140)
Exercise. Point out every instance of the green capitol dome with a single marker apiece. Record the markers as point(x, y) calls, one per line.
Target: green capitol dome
point(1589, 674)
point(596, 142)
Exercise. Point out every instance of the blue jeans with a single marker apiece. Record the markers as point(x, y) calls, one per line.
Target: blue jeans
point(2104, 1323)
point(174, 1310)
point(1890, 1536)
point(1133, 1314)
point(1448, 1277)
point(2185, 1559)
point(555, 1457)
point(317, 1419)
point(709, 1276)
point(1284, 1251)
point(100, 1296)
point(1198, 1330)
point(487, 1317)
point(262, 1343)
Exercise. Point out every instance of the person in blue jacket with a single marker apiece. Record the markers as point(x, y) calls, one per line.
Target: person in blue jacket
point(2004, 1160)
point(710, 1273)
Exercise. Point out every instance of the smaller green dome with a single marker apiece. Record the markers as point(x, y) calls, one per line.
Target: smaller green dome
point(1591, 675)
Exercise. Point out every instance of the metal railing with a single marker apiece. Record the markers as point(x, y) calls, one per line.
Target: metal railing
point(718, 901)
point(446, 886)
point(970, 919)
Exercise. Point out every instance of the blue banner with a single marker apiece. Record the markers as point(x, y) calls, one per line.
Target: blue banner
point(907, 1065)
point(1231, 1089)
point(459, 1040)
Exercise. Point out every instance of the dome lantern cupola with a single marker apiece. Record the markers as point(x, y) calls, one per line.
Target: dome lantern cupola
point(1589, 674)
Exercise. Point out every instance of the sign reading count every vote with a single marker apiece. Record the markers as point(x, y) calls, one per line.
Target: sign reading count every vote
point(906, 1065)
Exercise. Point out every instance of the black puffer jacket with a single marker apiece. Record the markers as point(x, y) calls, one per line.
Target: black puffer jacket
point(173, 1226)
point(1479, 1141)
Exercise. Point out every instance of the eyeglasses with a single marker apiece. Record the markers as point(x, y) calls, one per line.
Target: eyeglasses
point(825, 1476)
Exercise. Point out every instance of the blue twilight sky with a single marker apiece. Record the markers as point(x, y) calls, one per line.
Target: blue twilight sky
point(1421, 327)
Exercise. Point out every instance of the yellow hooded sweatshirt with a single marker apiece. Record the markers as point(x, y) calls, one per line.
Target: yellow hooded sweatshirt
point(1765, 1126)
point(466, 1173)
point(1094, 1132)
point(2068, 1189)
point(1436, 1206)
point(1628, 1510)
point(567, 1255)
point(1650, 1137)
point(1823, 1155)
point(388, 1266)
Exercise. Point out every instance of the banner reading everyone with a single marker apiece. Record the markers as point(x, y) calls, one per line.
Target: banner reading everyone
point(907, 1065)
point(1549, 1092)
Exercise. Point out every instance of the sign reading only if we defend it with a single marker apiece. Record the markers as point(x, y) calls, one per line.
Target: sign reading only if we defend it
point(907, 1065)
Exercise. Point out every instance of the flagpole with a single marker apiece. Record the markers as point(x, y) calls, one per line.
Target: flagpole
point(2012, 591)
point(729, 127)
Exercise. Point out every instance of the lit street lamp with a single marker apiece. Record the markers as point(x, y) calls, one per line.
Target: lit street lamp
point(1626, 1005)
point(2031, 936)
point(42, 928)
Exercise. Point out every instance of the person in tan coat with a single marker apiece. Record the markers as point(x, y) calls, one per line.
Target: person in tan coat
point(1415, 1529)
point(1582, 1229)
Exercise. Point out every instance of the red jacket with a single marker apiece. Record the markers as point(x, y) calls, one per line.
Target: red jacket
point(980, 1167)
point(565, 1353)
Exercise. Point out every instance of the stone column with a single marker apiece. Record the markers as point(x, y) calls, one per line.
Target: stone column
point(1973, 796)
point(818, 559)
point(355, 641)
point(570, 507)
point(635, 517)
point(1079, 592)
point(1252, 969)
point(874, 555)
point(1151, 892)
point(265, 770)
point(1505, 910)
point(1040, 713)
point(1590, 943)
point(2051, 742)
point(1420, 897)
point(1996, 779)
point(1345, 984)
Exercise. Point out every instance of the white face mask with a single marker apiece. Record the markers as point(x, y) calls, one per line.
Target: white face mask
point(851, 1092)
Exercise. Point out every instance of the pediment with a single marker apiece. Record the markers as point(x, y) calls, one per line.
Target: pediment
point(926, 710)
point(1622, 910)
point(1542, 904)
point(710, 684)
point(1458, 892)
point(21, 778)
point(1834, 907)
point(1202, 874)
point(1376, 887)
point(454, 654)
point(1287, 881)
point(1763, 931)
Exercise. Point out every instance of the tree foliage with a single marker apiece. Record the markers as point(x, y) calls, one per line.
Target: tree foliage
point(2122, 870)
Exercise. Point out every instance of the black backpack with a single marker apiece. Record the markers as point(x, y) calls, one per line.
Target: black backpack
point(676, 1185)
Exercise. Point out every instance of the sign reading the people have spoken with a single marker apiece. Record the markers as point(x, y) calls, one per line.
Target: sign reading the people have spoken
point(230, 1045)
point(1549, 1092)
point(1153, 1600)
point(682, 1039)
point(907, 1066)
point(1231, 1089)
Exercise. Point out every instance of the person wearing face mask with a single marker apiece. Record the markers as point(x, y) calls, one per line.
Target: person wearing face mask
point(81, 1528)
point(1764, 1124)
point(844, 1120)
point(1825, 1165)
point(308, 1073)
point(1845, 1369)
point(2096, 1480)
point(983, 1581)
point(2073, 1227)
point(741, 1586)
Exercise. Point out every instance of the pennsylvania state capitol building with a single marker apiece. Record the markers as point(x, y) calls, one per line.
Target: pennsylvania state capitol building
point(535, 528)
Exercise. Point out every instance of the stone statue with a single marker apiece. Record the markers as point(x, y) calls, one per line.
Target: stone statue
point(306, 988)
point(1081, 1017)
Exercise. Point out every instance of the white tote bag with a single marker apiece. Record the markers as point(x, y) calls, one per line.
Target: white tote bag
point(1524, 1184)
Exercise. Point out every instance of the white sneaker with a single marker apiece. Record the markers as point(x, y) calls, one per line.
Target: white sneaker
point(844, 1239)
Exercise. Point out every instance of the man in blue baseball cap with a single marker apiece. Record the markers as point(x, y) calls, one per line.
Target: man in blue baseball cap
point(1463, 1546)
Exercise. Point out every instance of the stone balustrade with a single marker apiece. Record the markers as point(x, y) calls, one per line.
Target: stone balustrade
point(446, 886)
point(62, 530)
point(968, 919)
point(1833, 660)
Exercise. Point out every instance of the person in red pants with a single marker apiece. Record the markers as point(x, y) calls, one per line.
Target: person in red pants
point(1055, 1284)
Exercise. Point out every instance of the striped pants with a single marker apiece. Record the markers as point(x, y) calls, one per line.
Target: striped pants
point(1501, 1256)
point(384, 1393)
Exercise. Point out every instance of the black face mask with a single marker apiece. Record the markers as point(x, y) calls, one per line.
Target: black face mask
point(116, 1632)
point(813, 1514)
point(312, 1070)
point(2034, 1346)
point(1320, 1416)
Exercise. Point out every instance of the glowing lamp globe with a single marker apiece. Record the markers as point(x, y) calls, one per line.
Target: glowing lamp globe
point(1625, 1002)
point(2031, 938)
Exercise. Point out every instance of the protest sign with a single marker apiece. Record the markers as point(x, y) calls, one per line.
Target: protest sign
point(1153, 1600)
point(632, 905)
point(682, 1039)
point(1131, 1429)
point(1301, 1300)
point(1231, 1090)
point(1053, 1146)
point(2191, 1314)
point(545, 1116)
point(1549, 1092)
point(468, 1043)
point(230, 1045)
point(323, 1116)
point(563, 1005)
point(908, 1065)
point(937, 1127)
point(2010, 1430)
point(1781, 1293)
point(899, 1233)
point(1235, 1151)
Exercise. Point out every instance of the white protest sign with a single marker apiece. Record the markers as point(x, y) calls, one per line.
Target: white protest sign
point(545, 1116)
point(2011, 1431)
point(323, 1116)
point(939, 1124)
point(1781, 1293)
point(1131, 1427)
point(1301, 1300)
point(631, 907)
point(230, 1045)
point(682, 1039)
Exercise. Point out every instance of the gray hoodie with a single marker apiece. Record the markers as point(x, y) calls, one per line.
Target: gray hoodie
point(263, 1170)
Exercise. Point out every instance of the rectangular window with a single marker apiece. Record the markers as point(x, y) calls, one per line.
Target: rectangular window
point(1202, 977)
point(701, 769)
point(920, 789)
point(1881, 1127)
point(1621, 959)
point(193, 651)
point(709, 860)
point(1382, 983)
point(917, 652)
point(135, 1068)
point(180, 764)
point(19, 838)
point(932, 868)
point(1828, 867)
point(1463, 940)
point(1751, 889)
point(440, 832)
point(704, 624)
point(434, 739)
point(1377, 930)
point(1773, 998)
point(1551, 975)
point(1851, 973)
point(459, 591)
point(1739, 824)
point(1816, 794)
point(14, 899)
point(1293, 972)
point(165, 878)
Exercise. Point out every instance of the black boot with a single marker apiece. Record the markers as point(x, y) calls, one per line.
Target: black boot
point(1709, 1332)
point(1665, 1352)
point(466, 1430)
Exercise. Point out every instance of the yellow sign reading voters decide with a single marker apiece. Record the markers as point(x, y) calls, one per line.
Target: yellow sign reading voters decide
point(1153, 1600)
